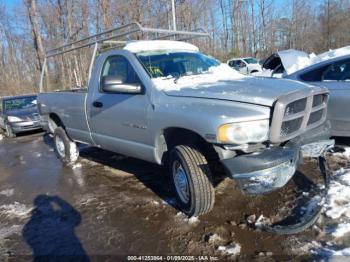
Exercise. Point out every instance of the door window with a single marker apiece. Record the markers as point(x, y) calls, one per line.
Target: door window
point(339, 71)
point(234, 63)
point(240, 64)
point(237, 64)
point(119, 66)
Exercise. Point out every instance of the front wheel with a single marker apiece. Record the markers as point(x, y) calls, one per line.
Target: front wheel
point(66, 149)
point(192, 180)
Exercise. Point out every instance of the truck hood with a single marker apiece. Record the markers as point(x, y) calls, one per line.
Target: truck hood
point(255, 90)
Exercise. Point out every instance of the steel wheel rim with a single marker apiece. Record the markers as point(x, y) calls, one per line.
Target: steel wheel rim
point(181, 182)
point(60, 146)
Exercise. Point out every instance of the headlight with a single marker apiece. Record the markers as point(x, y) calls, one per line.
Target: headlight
point(14, 119)
point(244, 132)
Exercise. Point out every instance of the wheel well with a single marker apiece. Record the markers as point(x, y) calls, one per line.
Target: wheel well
point(174, 136)
point(54, 121)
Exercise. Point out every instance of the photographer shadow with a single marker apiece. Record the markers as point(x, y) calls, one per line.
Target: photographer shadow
point(50, 231)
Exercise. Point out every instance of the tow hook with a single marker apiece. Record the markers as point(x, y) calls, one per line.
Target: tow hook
point(315, 206)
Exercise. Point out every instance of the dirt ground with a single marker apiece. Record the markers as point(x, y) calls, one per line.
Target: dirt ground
point(108, 206)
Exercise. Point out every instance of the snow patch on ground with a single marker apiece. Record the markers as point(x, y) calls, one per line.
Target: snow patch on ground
point(7, 192)
point(215, 238)
point(328, 253)
point(6, 231)
point(154, 202)
point(87, 199)
point(22, 161)
point(15, 210)
point(341, 230)
point(262, 221)
point(192, 220)
point(338, 201)
point(1, 137)
point(77, 165)
point(345, 154)
point(337, 208)
point(37, 154)
point(232, 249)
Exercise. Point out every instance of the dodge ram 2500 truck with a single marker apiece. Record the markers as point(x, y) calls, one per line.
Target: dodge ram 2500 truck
point(167, 103)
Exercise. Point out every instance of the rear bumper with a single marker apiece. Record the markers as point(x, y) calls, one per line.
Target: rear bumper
point(25, 126)
point(272, 168)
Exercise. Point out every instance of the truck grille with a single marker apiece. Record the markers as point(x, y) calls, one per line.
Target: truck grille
point(293, 115)
point(291, 126)
point(295, 107)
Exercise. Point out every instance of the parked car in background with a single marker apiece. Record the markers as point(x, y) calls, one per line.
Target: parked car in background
point(19, 114)
point(247, 65)
point(330, 69)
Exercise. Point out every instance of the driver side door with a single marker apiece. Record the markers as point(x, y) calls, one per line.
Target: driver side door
point(119, 120)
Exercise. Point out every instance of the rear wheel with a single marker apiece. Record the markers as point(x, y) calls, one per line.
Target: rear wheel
point(192, 180)
point(9, 132)
point(66, 149)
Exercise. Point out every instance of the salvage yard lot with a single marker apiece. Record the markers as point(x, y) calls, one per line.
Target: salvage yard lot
point(112, 205)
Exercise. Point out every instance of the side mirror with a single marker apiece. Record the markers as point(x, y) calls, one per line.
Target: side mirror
point(115, 84)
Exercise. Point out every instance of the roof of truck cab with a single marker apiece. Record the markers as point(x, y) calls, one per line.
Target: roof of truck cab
point(159, 45)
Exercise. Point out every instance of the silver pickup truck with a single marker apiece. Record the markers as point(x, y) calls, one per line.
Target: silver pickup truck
point(167, 103)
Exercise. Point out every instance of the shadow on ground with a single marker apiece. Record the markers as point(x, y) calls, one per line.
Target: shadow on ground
point(50, 232)
point(152, 176)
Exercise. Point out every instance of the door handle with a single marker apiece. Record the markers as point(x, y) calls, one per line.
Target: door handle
point(97, 104)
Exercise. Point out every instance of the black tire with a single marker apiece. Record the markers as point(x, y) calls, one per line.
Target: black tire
point(9, 132)
point(66, 149)
point(201, 195)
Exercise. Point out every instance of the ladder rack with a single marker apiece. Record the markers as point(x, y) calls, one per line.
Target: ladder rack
point(117, 37)
point(126, 31)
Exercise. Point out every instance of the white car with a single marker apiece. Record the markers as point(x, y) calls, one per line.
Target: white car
point(247, 65)
point(330, 69)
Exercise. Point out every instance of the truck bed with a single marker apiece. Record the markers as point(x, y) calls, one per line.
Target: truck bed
point(69, 106)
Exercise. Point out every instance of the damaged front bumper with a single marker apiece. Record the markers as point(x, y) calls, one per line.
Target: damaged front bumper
point(272, 168)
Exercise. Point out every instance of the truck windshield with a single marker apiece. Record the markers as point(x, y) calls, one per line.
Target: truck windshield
point(20, 103)
point(251, 60)
point(176, 64)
